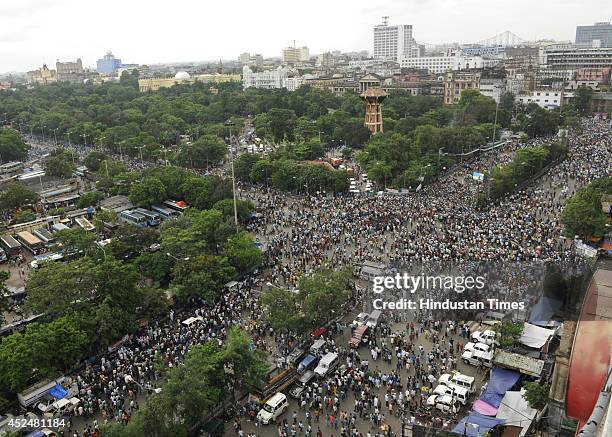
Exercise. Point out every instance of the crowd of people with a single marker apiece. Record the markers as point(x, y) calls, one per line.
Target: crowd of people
point(305, 232)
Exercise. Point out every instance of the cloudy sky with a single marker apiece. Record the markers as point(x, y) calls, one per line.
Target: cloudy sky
point(153, 31)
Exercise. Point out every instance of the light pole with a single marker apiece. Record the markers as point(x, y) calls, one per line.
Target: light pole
point(495, 123)
point(230, 123)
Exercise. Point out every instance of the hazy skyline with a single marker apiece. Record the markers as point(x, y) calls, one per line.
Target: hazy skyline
point(33, 32)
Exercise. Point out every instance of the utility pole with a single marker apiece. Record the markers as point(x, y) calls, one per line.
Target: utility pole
point(495, 124)
point(230, 123)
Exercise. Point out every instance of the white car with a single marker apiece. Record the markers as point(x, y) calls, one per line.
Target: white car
point(472, 347)
point(446, 404)
point(360, 320)
point(486, 337)
point(274, 407)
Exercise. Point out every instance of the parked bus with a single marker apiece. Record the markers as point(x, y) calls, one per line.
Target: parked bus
point(179, 206)
point(30, 242)
point(11, 167)
point(152, 217)
point(44, 235)
point(133, 218)
point(165, 213)
point(45, 257)
point(11, 246)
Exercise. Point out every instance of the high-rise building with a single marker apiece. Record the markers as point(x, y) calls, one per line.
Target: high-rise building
point(295, 55)
point(394, 42)
point(304, 54)
point(108, 64)
point(244, 58)
point(597, 32)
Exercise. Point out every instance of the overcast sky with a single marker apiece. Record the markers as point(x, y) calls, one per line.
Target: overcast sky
point(154, 31)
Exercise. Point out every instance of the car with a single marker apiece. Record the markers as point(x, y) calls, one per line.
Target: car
point(472, 347)
point(299, 387)
point(360, 320)
point(274, 407)
point(446, 404)
point(487, 337)
point(318, 332)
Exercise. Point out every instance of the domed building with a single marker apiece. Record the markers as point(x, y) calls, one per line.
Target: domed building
point(182, 75)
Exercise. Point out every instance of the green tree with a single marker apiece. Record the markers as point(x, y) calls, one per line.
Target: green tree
point(94, 159)
point(202, 276)
point(148, 192)
point(12, 147)
point(104, 216)
point(203, 152)
point(583, 214)
point(582, 99)
point(76, 242)
point(156, 265)
point(246, 367)
point(244, 209)
point(509, 333)
point(536, 394)
point(323, 293)
point(282, 309)
point(15, 196)
point(59, 164)
point(241, 252)
point(91, 198)
point(129, 241)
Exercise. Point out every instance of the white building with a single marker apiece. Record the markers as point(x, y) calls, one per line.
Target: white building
point(393, 42)
point(304, 54)
point(492, 88)
point(547, 99)
point(293, 83)
point(441, 64)
point(271, 79)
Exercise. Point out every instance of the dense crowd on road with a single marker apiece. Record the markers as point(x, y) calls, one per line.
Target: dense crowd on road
point(304, 232)
point(440, 222)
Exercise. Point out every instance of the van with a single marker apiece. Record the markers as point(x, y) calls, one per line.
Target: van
point(274, 407)
point(307, 363)
point(373, 318)
point(446, 404)
point(464, 381)
point(317, 346)
point(459, 393)
point(327, 364)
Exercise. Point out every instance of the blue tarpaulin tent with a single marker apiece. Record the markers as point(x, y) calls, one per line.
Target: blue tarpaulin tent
point(543, 311)
point(501, 381)
point(476, 425)
point(58, 392)
point(36, 434)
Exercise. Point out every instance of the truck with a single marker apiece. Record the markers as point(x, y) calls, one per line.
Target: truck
point(358, 336)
